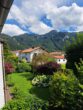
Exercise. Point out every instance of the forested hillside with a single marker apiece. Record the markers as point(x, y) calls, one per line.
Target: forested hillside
point(51, 41)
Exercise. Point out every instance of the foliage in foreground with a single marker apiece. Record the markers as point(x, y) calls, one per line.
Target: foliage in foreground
point(30, 103)
point(74, 52)
point(66, 93)
point(80, 71)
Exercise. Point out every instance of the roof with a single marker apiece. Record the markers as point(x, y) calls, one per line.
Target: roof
point(16, 51)
point(57, 53)
point(59, 57)
point(30, 50)
point(4, 10)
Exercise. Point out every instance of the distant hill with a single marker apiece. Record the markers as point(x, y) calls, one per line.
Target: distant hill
point(51, 41)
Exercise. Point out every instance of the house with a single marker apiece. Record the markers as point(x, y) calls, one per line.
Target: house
point(29, 53)
point(59, 57)
point(2, 97)
point(17, 52)
point(57, 53)
point(4, 9)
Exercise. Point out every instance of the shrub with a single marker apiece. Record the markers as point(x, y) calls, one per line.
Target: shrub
point(17, 93)
point(9, 68)
point(23, 67)
point(41, 81)
point(80, 71)
point(48, 68)
point(9, 81)
point(65, 92)
point(30, 103)
point(15, 105)
point(34, 103)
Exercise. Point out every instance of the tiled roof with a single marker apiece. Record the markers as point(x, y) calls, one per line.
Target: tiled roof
point(57, 53)
point(29, 50)
point(16, 51)
point(59, 57)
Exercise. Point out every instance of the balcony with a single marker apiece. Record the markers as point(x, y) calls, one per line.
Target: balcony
point(4, 10)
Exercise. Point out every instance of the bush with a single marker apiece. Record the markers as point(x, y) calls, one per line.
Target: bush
point(30, 103)
point(15, 105)
point(80, 71)
point(9, 68)
point(9, 81)
point(17, 93)
point(65, 92)
point(23, 67)
point(34, 103)
point(41, 81)
point(48, 68)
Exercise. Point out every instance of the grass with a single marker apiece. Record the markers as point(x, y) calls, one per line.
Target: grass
point(23, 82)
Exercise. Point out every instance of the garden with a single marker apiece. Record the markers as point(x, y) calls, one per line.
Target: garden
point(44, 84)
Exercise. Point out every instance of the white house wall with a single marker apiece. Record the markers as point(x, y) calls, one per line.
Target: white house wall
point(25, 55)
point(17, 54)
point(29, 56)
point(61, 61)
point(2, 99)
point(38, 51)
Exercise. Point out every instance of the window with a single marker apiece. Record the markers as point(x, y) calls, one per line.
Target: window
point(63, 59)
point(35, 54)
point(59, 60)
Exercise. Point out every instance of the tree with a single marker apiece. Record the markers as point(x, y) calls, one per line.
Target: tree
point(7, 52)
point(74, 52)
point(41, 59)
point(10, 59)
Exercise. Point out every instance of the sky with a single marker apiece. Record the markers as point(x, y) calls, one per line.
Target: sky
point(43, 16)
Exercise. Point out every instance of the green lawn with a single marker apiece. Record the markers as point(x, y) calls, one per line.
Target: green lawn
point(23, 82)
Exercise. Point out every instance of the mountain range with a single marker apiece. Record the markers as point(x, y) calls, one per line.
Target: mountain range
point(51, 41)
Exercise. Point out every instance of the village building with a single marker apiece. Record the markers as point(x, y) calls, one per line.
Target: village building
point(4, 9)
point(59, 57)
point(17, 52)
point(29, 53)
point(57, 53)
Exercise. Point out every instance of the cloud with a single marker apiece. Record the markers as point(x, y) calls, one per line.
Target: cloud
point(66, 17)
point(12, 30)
point(40, 28)
point(28, 14)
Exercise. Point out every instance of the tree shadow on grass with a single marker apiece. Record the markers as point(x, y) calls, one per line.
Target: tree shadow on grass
point(42, 93)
